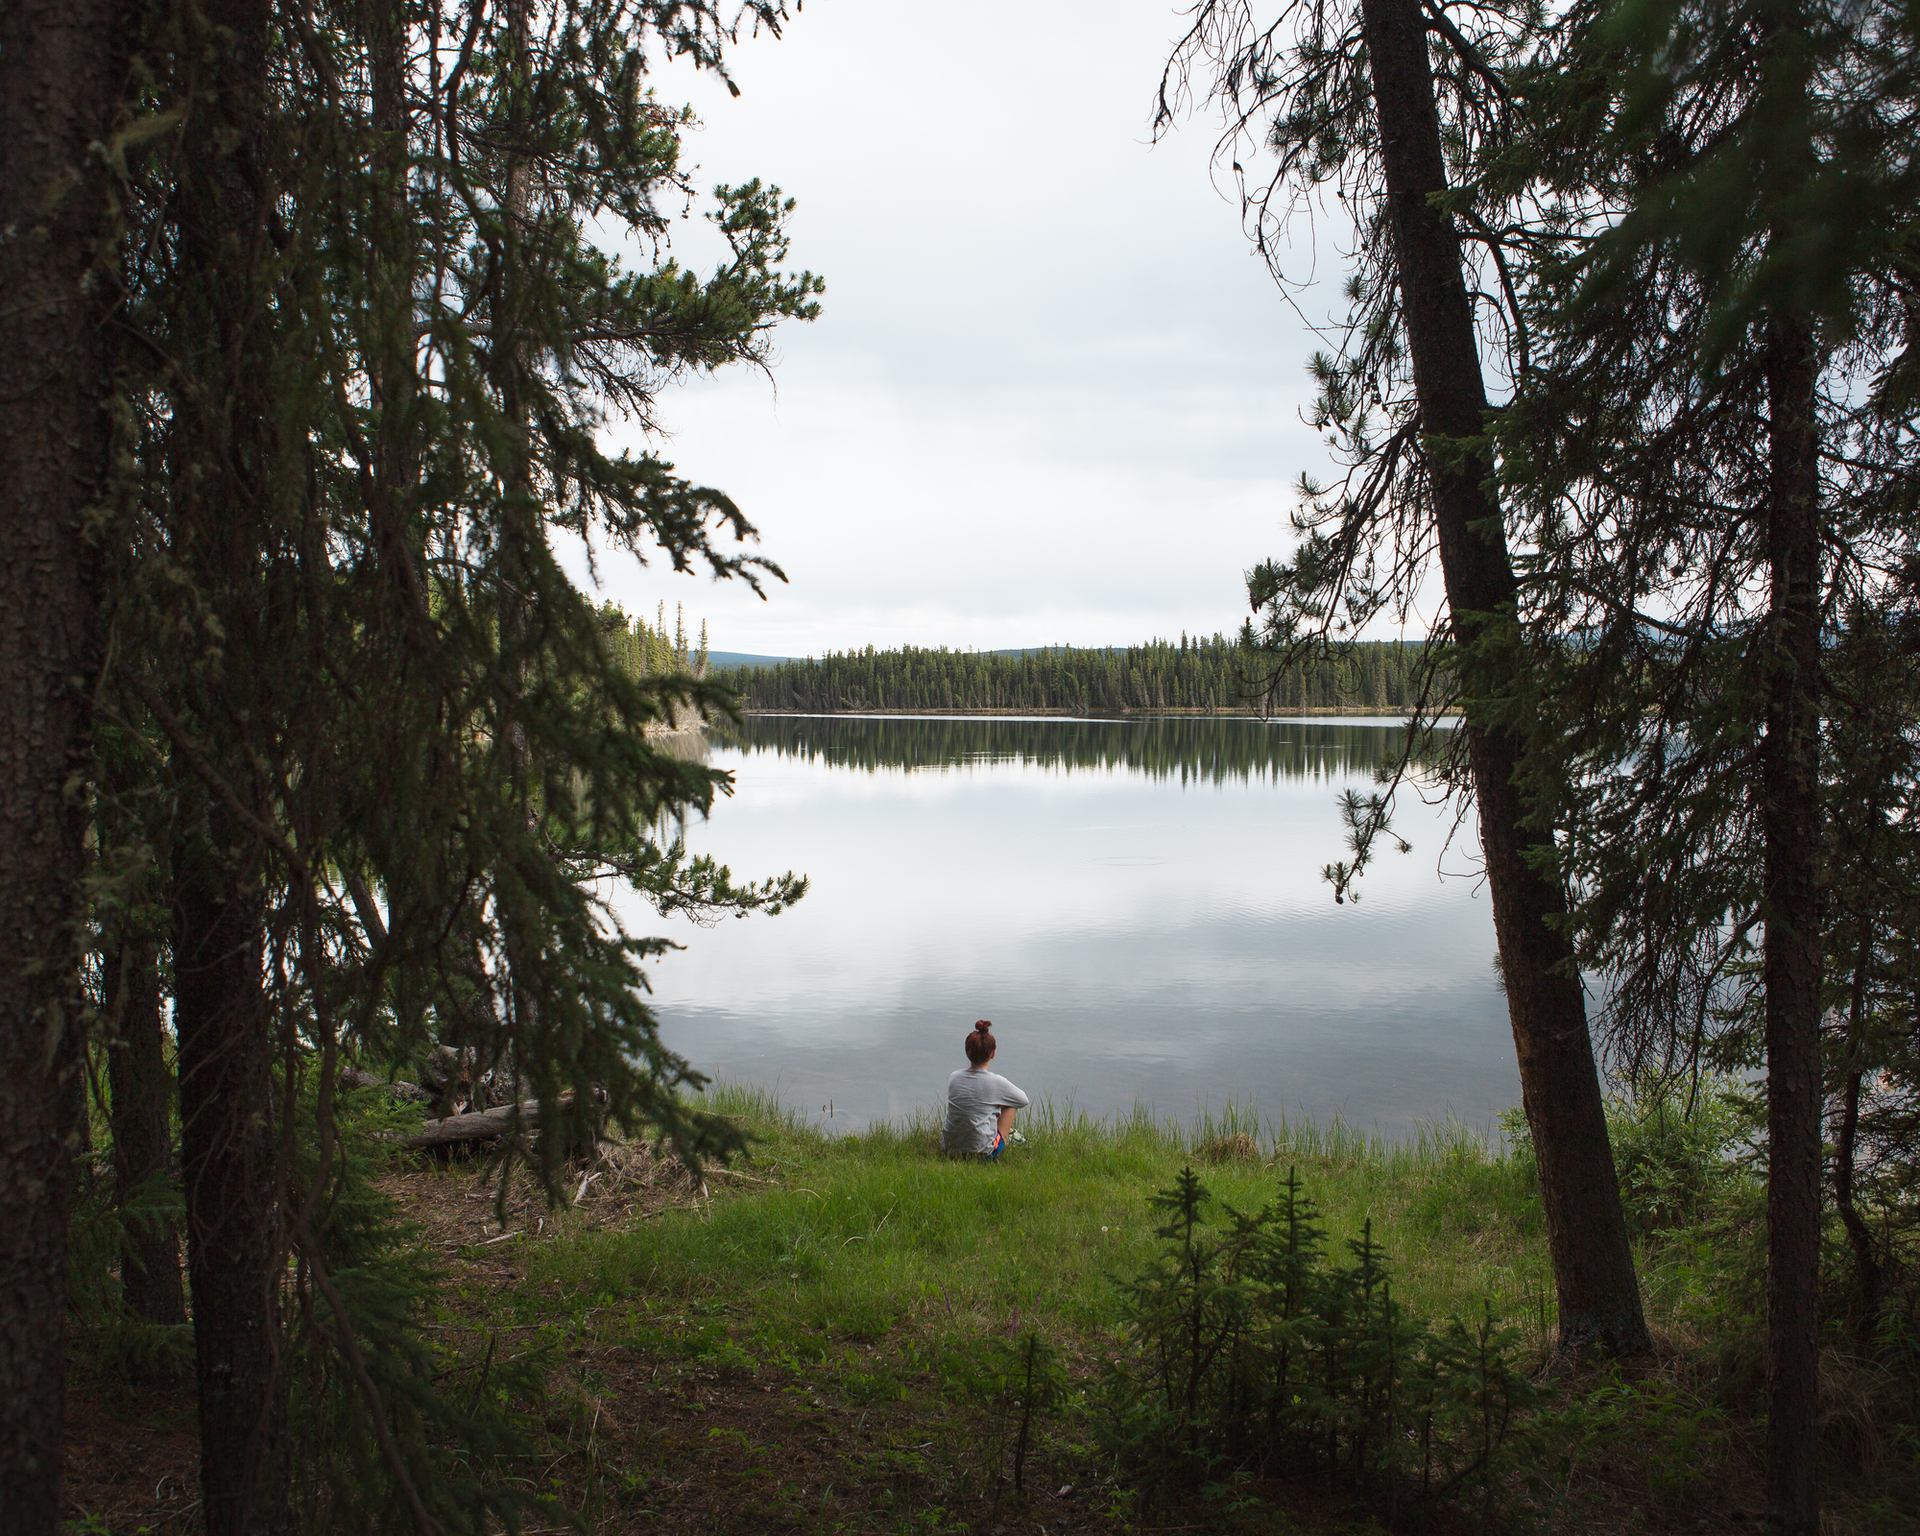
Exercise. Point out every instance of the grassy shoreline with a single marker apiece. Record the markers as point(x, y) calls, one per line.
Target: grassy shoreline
point(1040, 1227)
point(866, 1278)
point(805, 1340)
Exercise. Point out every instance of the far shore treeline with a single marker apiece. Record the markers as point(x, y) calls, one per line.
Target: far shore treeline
point(1216, 675)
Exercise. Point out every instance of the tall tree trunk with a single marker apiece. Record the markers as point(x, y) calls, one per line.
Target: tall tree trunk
point(1599, 1294)
point(1868, 1284)
point(393, 371)
point(1791, 956)
point(142, 1090)
point(58, 84)
point(235, 1250)
point(222, 528)
point(523, 535)
point(1792, 952)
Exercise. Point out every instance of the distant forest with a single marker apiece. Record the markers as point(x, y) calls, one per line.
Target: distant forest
point(1210, 676)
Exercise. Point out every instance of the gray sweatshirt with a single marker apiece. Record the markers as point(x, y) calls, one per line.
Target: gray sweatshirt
point(975, 1098)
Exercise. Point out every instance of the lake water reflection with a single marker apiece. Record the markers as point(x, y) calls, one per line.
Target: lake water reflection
point(1136, 904)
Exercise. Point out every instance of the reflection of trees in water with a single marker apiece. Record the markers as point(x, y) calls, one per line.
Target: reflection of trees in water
point(1190, 749)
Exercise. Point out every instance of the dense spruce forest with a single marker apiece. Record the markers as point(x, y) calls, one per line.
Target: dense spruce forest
point(1215, 675)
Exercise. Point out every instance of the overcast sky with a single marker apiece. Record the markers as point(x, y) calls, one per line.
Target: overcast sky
point(1053, 397)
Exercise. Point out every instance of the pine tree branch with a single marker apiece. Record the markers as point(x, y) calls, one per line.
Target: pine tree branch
point(349, 1343)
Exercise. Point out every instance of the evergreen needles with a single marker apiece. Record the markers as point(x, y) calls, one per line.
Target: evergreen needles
point(1250, 1351)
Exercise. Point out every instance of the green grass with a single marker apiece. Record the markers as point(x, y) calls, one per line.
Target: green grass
point(868, 1277)
point(816, 1243)
point(871, 1273)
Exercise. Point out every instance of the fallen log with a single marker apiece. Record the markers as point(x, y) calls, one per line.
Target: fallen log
point(476, 1125)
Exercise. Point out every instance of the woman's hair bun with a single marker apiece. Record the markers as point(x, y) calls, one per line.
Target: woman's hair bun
point(979, 1041)
point(983, 1025)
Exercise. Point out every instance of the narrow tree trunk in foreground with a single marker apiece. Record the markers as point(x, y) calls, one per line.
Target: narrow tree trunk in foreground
point(235, 1252)
point(222, 490)
point(57, 92)
point(393, 372)
point(523, 544)
point(142, 1090)
point(1791, 955)
point(1599, 1294)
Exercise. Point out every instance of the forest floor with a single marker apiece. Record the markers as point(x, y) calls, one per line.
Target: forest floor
point(814, 1340)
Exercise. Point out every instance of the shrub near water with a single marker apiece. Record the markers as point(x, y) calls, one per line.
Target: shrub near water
point(1259, 1354)
point(1677, 1155)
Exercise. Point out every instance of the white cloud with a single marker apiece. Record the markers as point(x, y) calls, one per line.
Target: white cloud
point(1053, 396)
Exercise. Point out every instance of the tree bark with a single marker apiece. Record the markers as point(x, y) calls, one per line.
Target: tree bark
point(142, 1090)
point(236, 1248)
point(1599, 1295)
point(58, 88)
point(523, 546)
point(1869, 1287)
point(394, 370)
point(1791, 949)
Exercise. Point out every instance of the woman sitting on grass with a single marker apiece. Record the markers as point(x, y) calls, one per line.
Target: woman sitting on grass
point(980, 1104)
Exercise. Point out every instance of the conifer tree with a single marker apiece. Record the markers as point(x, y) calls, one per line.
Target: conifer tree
point(228, 510)
point(375, 342)
point(1707, 464)
point(60, 104)
point(1351, 95)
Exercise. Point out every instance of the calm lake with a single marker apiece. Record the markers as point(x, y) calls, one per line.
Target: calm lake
point(1136, 904)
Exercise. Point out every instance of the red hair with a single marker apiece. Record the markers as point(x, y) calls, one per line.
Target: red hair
point(980, 1042)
